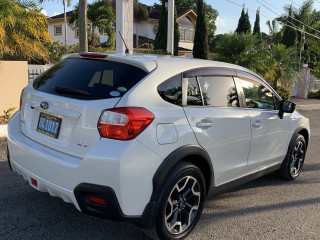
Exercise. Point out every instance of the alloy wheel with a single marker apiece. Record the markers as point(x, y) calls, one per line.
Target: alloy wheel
point(182, 205)
point(297, 158)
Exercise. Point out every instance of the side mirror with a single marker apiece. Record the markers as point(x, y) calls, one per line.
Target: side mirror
point(286, 107)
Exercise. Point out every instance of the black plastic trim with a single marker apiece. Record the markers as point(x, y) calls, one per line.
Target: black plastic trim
point(111, 211)
point(213, 191)
point(8, 158)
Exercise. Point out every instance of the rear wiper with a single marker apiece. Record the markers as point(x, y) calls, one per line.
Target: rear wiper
point(70, 91)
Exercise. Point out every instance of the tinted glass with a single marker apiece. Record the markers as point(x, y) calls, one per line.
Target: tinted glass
point(219, 91)
point(89, 79)
point(171, 90)
point(193, 94)
point(257, 95)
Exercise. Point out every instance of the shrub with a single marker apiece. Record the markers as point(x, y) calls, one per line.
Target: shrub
point(283, 92)
point(314, 95)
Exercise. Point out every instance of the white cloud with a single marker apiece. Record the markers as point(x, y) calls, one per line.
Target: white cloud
point(44, 12)
point(220, 22)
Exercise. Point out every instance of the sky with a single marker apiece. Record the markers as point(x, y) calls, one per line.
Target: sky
point(229, 10)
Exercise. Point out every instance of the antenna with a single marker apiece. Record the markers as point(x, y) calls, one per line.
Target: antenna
point(127, 49)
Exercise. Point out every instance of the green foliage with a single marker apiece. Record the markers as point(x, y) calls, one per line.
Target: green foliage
point(140, 12)
point(201, 46)
point(56, 50)
point(314, 95)
point(101, 16)
point(244, 25)
point(23, 31)
point(160, 42)
point(283, 92)
point(211, 15)
point(8, 113)
point(176, 39)
point(242, 49)
point(289, 37)
point(256, 28)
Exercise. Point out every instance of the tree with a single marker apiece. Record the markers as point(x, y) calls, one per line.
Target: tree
point(289, 37)
point(65, 3)
point(256, 28)
point(211, 15)
point(247, 24)
point(244, 25)
point(244, 50)
point(83, 28)
point(200, 45)
point(23, 31)
point(101, 16)
point(160, 42)
point(282, 62)
point(176, 39)
point(274, 32)
point(140, 14)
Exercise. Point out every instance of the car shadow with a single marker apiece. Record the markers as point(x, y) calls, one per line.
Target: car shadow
point(28, 214)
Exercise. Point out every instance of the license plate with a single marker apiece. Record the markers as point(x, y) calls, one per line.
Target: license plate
point(49, 125)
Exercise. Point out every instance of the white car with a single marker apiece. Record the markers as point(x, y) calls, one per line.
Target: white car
point(145, 139)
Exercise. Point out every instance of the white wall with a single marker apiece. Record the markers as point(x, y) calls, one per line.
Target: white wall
point(71, 39)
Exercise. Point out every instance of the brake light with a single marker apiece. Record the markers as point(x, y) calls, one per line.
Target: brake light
point(21, 96)
point(93, 55)
point(124, 123)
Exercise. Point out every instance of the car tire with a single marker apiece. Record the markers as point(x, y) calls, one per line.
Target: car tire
point(180, 204)
point(293, 162)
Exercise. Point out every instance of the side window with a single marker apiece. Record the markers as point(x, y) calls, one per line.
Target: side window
point(193, 92)
point(219, 91)
point(171, 90)
point(257, 95)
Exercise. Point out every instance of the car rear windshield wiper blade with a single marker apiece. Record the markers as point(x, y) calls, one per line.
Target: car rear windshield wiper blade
point(70, 91)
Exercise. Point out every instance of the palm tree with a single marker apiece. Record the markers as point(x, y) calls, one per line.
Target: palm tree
point(281, 62)
point(101, 15)
point(65, 4)
point(23, 31)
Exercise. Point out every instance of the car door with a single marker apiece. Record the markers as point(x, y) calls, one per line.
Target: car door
point(221, 127)
point(270, 133)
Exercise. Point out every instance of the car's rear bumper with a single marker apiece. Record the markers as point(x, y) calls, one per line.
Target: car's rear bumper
point(127, 169)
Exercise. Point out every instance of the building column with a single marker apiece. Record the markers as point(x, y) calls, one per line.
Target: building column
point(124, 25)
point(170, 26)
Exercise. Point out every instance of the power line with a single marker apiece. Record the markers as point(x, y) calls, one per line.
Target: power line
point(295, 3)
point(293, 27)
point(290, 17)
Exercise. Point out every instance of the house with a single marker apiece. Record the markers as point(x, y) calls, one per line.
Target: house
point(146, 31)
point(56, 30)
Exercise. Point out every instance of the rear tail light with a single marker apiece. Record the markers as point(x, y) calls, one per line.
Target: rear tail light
point(21, 96)
point(124, 123)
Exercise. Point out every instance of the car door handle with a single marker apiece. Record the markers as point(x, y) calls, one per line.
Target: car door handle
point(257, 124)
point(204, 124)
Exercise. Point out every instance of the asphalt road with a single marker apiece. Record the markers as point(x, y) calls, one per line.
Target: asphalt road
point(267, 208)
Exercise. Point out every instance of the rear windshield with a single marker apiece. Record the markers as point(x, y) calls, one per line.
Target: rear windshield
point(89, 79)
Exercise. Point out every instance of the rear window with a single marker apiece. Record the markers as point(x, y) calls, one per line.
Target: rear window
point(89, 79)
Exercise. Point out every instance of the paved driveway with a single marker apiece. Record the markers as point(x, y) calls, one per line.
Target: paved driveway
point(267, 208)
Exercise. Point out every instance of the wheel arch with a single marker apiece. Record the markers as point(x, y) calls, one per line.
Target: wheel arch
point(188, 153)
point(304, 132)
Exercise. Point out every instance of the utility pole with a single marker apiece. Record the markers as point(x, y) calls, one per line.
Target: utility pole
point(65, 22)
point(170, 26)
point(302, 42)
point(83, 28)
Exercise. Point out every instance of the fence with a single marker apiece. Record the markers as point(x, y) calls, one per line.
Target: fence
point(33, 72)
